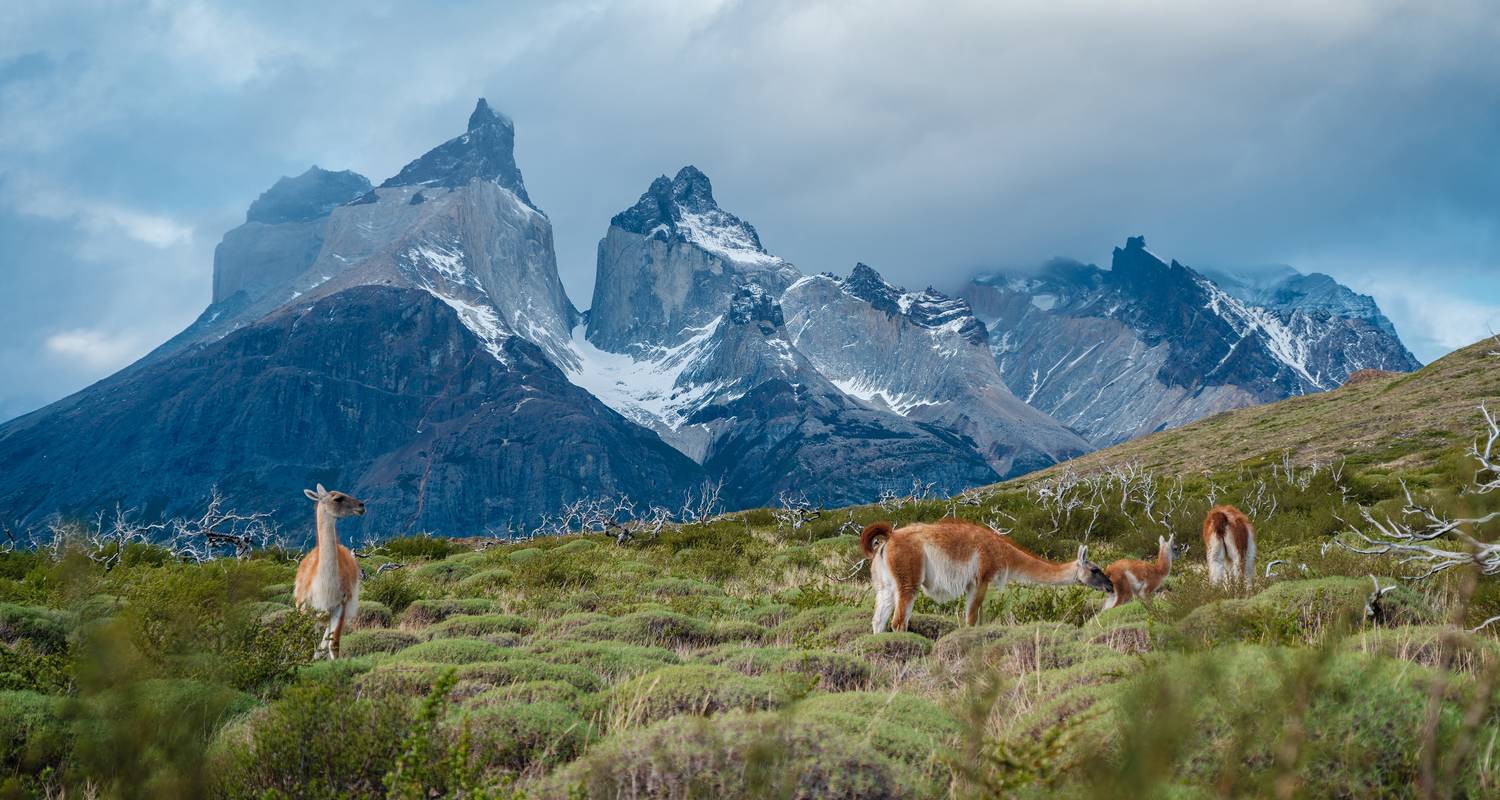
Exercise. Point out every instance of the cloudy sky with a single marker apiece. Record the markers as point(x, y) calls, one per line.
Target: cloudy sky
point(930, 140)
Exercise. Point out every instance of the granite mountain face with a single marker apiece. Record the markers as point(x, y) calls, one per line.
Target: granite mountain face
point(404, 342)
point(782, 382)
point(412, 343)
point(1150, 344)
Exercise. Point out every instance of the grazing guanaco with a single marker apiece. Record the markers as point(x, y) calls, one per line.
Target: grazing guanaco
point(1132, 578)
point(951, 558)
point(1229, 545)
point(328, 577)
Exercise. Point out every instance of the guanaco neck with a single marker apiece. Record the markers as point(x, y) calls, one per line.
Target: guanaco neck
point(328, 545)
point(1023, 567)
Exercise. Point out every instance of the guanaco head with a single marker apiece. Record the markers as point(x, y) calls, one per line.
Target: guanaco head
point(337, 503)
point(1166, 547)
point(1089, 574)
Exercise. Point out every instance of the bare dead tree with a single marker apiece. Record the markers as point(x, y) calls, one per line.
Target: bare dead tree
point(200, 537)
point(703, 504)
point(849, 526)
point(890, 500)
point(794, 511)
point(1488, 466)
point(1430, 540)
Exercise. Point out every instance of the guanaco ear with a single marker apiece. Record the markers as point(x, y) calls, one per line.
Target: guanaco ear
point(321, 490)
point(1083, 554)
point(311, 495)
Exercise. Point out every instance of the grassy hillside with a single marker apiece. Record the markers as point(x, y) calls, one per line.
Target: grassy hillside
point(1387, 422)
point(732, 658)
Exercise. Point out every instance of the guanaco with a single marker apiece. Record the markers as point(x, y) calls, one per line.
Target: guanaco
point(951, 558)
point(1229, 545)
point(328, 577)
point(1131, 578)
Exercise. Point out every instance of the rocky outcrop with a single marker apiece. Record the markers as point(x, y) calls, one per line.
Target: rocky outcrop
point(669, 264)
point(1150, 344)
point(924, 356)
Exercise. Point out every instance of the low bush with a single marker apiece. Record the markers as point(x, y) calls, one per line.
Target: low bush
point(516, 736)
point(373, 614)
point(442, 573)
point(699, 689)
point(318, 741)
point(486, 582)
point(450, 651)
point(736, 757)
point(429, 548)
point(392, 590)
point(363, 643)
point(481, 625)
point(610, 661)
point(426, 612)
point(655, 628)
point(1302, 611)
point(45, 628)
point(897, 646)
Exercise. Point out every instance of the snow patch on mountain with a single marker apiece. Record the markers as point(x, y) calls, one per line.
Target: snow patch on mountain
point(648, 391)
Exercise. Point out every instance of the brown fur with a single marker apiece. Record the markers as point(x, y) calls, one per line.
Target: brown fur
point(345, 584)
point(1229, 542)
point(348, 578)
point(1132, 577)
point(970, 558)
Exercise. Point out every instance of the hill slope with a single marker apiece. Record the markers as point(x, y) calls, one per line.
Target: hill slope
point(1383, 422)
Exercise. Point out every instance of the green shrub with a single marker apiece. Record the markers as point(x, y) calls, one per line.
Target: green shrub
point(442, 573)
point(148, 739)
point(318, 741)
point(481, 625)
point(734, 757)
point(524, 556)
point(737, 631)
point(699, 689)
point(611, 661)
point(522, 668)
point(554, 691)
point(819, 627)
point(511, 737)
point(450, 651)
point(681, 587)
point(899, 726)
point(33, 732)
point(392, 590)
point(1361, 719)
point(656, 628)
point(1291, 612)
point(426, 612)
point(836, 672)
point(23, 666)
point(771, 615)
point(1438, 646)
point(363, 643)
point(576, 546)
point(45, 628)
point(932, 626)
point(373, 614)
point(429, 548)
point(487, 581)
point(559, 570)
point(899, 646)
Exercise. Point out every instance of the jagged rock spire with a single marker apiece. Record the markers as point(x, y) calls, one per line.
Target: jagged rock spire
point(487, 151)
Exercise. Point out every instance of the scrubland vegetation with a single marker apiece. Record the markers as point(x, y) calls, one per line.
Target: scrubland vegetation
point(733, 658)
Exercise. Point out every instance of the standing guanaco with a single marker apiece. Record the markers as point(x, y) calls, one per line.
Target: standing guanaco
point(328, 577)
point(951, 558)
point(1229, 545)
point(1132, 578)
